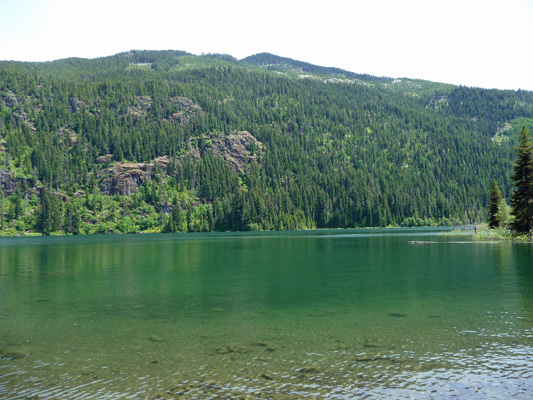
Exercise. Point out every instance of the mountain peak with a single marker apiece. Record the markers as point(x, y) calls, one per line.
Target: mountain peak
point(271, 60)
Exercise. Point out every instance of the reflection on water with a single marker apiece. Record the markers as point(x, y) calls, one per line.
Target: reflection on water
point(331, 314)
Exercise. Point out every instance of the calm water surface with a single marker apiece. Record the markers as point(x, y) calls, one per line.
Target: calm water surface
point(330, 314)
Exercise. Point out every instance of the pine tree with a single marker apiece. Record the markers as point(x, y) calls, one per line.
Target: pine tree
point(50, 212)
point(522, 200)
point(1, 207)
point(45, 213)
point(76, 222)
point(494, 205)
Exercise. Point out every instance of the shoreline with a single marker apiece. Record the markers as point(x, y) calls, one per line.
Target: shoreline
point(39, 234)
point(484, 234)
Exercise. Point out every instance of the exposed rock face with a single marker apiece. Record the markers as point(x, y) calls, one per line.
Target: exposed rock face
point(68, 135)
point(194, 153)
point(9, 183)
point(104, 159)
point(124, 178)
point(9, 99)
point(187, 108)
point(238, 148)
point(76, 104)
point(162, 162)
point(141, 106)
point(183, 107)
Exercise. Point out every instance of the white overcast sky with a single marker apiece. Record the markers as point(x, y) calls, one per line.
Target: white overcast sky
point(484, 43)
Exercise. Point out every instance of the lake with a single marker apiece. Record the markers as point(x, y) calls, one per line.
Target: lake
point(337, 314)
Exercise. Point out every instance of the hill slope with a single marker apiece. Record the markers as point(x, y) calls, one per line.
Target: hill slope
point(152, 141)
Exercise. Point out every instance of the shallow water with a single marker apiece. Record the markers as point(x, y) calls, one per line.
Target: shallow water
point(331, 314)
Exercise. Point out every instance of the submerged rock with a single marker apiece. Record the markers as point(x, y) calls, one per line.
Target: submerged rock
point(309, 370)
point(14, 355)
point(223, 350)
point(155, 338)
point(265, 346)
point(13, 352)
point(267, 375)
point(370, 357)
point(232, 349)
point(397, 315)
point(89, 374)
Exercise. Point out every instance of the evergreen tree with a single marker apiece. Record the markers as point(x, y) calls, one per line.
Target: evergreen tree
point(76, 222)
point(315, 154)
point(1, 207)
point(50, 213)
point(16, 208)
point(522, 200)
point(504, 214)
point(45, 213)
point(494, 205)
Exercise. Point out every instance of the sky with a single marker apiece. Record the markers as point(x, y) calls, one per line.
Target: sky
point(482, 43)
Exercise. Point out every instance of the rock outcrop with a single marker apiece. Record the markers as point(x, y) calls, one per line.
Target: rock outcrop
point(186, 109)
point(125, 178)
point(9, 99)
point(238, 148)
point(9, 182)
point(183, 108)
point(67, 135)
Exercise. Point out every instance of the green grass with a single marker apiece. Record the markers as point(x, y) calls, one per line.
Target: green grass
point(195, 62)
point(502, 234)
point(485, 234)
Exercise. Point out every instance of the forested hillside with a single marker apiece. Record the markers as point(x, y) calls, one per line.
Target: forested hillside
point(166, 141)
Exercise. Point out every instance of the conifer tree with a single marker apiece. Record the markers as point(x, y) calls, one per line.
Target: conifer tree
point(494, 205)
point(1, 207)
point(50, 212)
point(76, 222)
point(522, 200)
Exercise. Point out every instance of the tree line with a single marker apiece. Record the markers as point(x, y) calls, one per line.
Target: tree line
point(334, 155)
point(519, 217)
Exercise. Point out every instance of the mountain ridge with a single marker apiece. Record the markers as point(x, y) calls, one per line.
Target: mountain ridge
point(268, 59)
point(264, 59)
point(168, 141)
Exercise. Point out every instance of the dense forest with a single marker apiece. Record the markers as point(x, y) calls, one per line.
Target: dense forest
point(166, 141)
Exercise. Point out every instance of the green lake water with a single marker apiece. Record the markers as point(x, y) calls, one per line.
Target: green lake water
point(343, 314)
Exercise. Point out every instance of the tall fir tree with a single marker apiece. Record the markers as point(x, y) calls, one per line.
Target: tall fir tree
point(1, 207)
point(494, 205)
point(50, 212)
point(522, 201)
point(76, 222)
